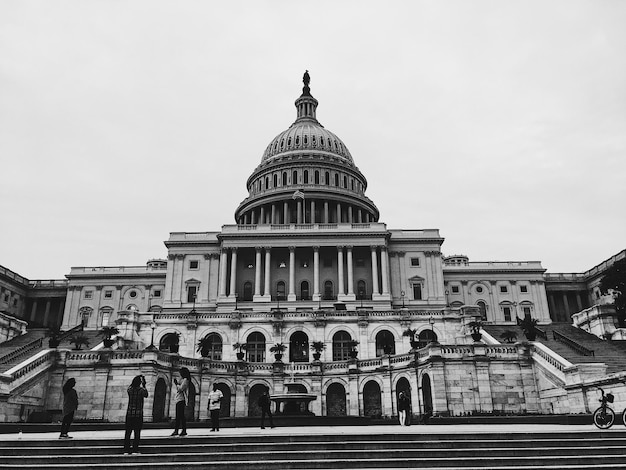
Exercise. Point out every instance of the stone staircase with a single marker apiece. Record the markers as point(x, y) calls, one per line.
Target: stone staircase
point(613, 353)
point(591, 449)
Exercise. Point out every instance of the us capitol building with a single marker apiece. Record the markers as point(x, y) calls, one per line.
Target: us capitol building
point(362, 311)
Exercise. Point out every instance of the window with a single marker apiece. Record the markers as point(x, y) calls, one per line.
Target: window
point(479, 289)
point(329, 293)
point(483, 309)
point(88, 294)
point(108, 294)
point(504, 289)
point(157, 293)
point(385, 343)
point(15, 302)
point(526, 311)
point(415, 262)
point(294, 177)
point(275, 180)
point(507, 313)
point(341, 346)
point(132, 294)
point(299, 347)
point(317, 177)
point(523, 288)
point(256, 347)
point(361, 290)
point(191, 293)
point(426, 337)
point(284, 178)
point(247, 291)
point(336, 179)
point(417, 291)
point(211, 347)
point(455, 289)
point(169, 343)
point(327, 178)
point(304, 290)
point(193, 264)
point(280, 290)
point(305, 177)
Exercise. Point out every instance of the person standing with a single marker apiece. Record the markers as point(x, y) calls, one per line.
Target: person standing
point(215, 399)
point(134, 413)
point(264, 404)
point(182, 392)
point(70, 404)
point(404, 404)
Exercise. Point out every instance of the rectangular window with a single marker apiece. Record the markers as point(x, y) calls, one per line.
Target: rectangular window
point(504, 289)
point(6, 297)
point(191, 293)
point(15, 302)
point(108, 294)
point(415, 262)
point(526, 311)
point(507, 313)
point(417, 291)
point(88, 294)
point(455, 289)
point(193, 264)
point(523, 289)
point(157, 293)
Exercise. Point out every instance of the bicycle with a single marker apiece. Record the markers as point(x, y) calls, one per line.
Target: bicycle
point(604, 416)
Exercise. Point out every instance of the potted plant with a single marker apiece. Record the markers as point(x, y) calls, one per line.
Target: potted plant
point(410, 332)
point(79, 340)
point(352, 344)
point(108, 332)
point(474, 327)
point(317, 347)
point(508, 336)
point(278, 349)
point(529, 326)
point(240, 348)
point(54, 337)
point(204, 346)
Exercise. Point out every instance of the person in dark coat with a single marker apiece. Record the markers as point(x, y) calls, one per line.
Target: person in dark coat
point(70, 404)
point(404, 406)
point(134, 413)
point(264, 404)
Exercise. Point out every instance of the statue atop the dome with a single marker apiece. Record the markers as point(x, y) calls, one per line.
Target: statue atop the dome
point(306, 79)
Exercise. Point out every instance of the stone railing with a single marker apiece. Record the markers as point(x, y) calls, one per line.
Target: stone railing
point(24, 351)
point(550, 360)
point(22, 372)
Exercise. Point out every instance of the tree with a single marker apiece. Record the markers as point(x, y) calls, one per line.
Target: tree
point(615, 280)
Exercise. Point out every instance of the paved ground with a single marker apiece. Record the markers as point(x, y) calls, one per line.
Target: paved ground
point(337, 430)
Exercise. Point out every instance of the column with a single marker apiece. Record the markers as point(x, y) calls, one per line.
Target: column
point(253, 214)
point(384, 266)
point(299, 208)
point(340, 287)
point(46, 315)
point(350, 214)
point(338, 213)
point(568, 312)
point(268, 262)
point(359, 216)
point(350, 273)
point(233, 273)
point(257, 273)
point(33, 310)
point(273, 220)
point(286, 213)
point(316, 273)
point(375, 290)
point(326, 220)
point(223, 268)
point(292, 272)
point(262, 216)
point(312, 218)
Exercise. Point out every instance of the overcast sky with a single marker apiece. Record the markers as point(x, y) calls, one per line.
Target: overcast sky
point(503, 124)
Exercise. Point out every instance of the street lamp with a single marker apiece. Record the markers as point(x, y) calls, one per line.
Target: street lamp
point(402, 294)
point(153, 326)
point(431, 322)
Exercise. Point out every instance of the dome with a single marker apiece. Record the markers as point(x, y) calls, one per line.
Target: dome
point(303, 136)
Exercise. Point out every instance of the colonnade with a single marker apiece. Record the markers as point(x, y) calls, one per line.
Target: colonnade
point(263, 274)
point(304, 211)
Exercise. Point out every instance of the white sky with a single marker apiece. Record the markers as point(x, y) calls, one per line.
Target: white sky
point(503, 124)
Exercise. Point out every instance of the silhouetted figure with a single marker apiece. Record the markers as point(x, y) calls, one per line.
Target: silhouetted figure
point(134, 413)
point(182, 393)
point(264, 403)
point(70, 404)
point(404, 405)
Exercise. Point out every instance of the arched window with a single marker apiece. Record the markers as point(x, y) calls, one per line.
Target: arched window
point(294, 177)
point(280, 290)
point(267, 182)
point(256, 347)
point(483, 309)
point(425, 338)
point(305, 177)
point(327, 178)
point(304, 290)
point(336, 179)
point(169, 343)
point(385, 343)
point(345, 181)
point(211, 347)
point(317, 177)
point(352, 181)
point(361, 290)
point(284, 178)
point(341, 346)
point(329, 293)
point(275, 180)
point(247, 291)
point(299, 347)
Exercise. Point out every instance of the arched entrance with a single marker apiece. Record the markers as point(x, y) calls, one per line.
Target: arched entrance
point(253, 399)
point(158, 404)
point(336, 400)
point(372, 405)
point(169, 343)
point(225, 402)
point(427, 396)
point(190, 409)
point(299, 347)
point(403, 385)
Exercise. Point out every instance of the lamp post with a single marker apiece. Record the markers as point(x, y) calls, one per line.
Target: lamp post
point(431, 322)
point(402, 294)
point(153, 326)
point(193, 309)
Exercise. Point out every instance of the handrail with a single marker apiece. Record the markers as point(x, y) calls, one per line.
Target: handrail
point(28, 347)
point(71, 331)
point(561, 338)
point(541, 333)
